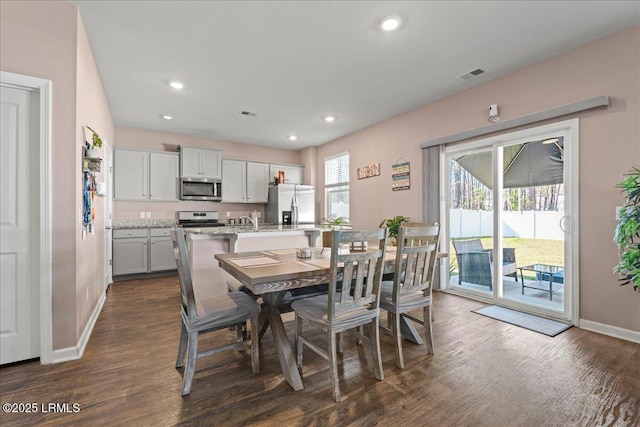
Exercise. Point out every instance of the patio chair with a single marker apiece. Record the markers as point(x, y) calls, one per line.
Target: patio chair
point(200, 316)
point(348, 304)
point(475, 262)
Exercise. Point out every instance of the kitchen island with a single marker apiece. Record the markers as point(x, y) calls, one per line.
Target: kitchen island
point(203, 243)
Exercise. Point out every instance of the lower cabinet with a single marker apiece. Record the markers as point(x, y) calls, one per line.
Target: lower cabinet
point(142, 250)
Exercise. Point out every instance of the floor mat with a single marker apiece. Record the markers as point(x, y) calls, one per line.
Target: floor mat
point(524, 320)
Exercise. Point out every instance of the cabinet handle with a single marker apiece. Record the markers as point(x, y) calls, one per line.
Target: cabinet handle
point(144, 243)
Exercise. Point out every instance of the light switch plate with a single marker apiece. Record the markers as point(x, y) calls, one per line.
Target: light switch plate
point(148, 215)
point(141, 214)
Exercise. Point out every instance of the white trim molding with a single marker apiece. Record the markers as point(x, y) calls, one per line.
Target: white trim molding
point(612, 331)
point(44, 87)
point(73, 353)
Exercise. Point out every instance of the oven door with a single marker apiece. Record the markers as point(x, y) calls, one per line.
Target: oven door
point(202, 189)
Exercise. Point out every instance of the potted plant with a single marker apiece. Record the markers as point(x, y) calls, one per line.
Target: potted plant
point(627, 235)
point(335, 223)
point(92, 148)
point(393, 225)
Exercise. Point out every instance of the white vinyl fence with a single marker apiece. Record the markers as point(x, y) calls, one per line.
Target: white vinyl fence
point(527, 224)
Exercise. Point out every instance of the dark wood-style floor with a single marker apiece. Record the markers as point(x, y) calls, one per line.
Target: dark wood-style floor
point(484, 373)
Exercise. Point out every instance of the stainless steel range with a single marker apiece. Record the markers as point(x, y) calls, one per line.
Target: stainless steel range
point(199, 219)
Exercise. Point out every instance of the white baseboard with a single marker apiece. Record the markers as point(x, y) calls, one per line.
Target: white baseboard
point(73, 353)
point(612, 331)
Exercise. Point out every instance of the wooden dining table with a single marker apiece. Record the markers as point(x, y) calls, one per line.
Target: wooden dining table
point(272, 273)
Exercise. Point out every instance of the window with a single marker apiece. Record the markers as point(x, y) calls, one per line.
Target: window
point(336, 184)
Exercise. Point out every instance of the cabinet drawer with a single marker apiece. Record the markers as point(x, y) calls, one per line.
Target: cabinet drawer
point(160, 232)
point(129, 232)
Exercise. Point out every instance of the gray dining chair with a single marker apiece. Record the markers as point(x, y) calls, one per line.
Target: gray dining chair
point(410, 290)
point(200, 316)
point(349, 304)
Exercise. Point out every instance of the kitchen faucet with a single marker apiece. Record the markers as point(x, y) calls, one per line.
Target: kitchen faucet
point(253, 219)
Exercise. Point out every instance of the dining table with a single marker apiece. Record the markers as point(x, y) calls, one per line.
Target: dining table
point(272, 273)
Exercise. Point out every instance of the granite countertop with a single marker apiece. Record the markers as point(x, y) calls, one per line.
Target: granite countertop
point(240, 229)
point(144, 223)
point(230, 229)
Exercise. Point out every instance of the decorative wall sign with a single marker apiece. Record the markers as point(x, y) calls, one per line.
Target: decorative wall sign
point(400, 175)
point(369, 171)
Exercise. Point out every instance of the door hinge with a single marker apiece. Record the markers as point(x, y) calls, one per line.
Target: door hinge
point(110, 262)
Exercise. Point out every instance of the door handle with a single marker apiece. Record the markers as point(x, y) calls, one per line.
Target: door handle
point(108, 227)
point(563, 223)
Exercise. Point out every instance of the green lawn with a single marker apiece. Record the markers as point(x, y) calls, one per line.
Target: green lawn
point(528, 251)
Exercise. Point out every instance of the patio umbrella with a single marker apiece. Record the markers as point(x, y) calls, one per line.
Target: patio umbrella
point(525, 165)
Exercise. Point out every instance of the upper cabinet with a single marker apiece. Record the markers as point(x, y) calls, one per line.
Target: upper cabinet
point(292, 174)
point(143, 175)
point(200, 163)
point(245, 182)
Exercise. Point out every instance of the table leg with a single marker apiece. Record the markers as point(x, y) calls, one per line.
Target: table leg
point(283, 346)
point(521, 280)
point(409, 331)
point(550, 287)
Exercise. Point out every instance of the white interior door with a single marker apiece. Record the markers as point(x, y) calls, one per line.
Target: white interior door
point(19, 319)
point(108, 215)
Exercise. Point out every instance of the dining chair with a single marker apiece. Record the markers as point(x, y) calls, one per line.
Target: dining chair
point(348, 304)
point(200, 316)
point(416, 255)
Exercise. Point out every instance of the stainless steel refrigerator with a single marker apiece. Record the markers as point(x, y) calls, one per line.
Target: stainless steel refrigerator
point(284, 198)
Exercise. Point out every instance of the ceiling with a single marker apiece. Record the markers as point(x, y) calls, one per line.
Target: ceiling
point(293, 63)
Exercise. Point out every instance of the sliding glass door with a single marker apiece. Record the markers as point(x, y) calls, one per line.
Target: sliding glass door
point(508, 219)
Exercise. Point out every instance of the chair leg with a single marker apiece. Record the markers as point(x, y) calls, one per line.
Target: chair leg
point(375, 348)
point(397, 335)
point(298, 342)
point(255, 346)
point(192, 356)
point(333, 366)
point(182, 347)
point(428, 332)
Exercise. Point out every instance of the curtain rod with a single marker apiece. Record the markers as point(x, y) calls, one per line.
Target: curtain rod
point(587, 104)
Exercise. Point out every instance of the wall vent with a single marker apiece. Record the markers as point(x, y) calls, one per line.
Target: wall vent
point(248, 113)
point(471, 74)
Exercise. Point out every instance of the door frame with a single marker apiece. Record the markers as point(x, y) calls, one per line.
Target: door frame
point(44, 272)
point(570, 130)
point(108, 215)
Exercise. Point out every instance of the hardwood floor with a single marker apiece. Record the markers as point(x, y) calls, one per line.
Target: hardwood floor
point(484, 373)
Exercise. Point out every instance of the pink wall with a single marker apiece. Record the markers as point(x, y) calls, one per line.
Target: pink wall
point(47, 40)
point(161, 141)
point(609, 146)
point(92, 110)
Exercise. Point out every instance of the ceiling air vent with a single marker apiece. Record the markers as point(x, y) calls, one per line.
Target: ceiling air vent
point(248, 113)
point(471, 74)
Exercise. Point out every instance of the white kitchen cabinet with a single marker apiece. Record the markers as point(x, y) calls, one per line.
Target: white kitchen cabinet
point(293, 174)
point(163, 176)
point(244, 182)
point(200, 163)
point(130, 256)
point(144, 175)
point(142, 250)
point(257, 182)
point(131, 175)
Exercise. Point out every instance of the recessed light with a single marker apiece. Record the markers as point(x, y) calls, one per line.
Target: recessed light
point(176, 84)
point(167, 117)
point(329, 119)
point(292, 137)
point(390, 23)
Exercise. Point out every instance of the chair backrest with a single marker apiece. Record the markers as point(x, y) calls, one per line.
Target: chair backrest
point(184, 273)
point(362, 272)
point(466, 246)
point(416, 256)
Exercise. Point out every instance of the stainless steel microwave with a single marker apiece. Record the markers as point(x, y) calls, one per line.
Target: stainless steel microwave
point(200, 189)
